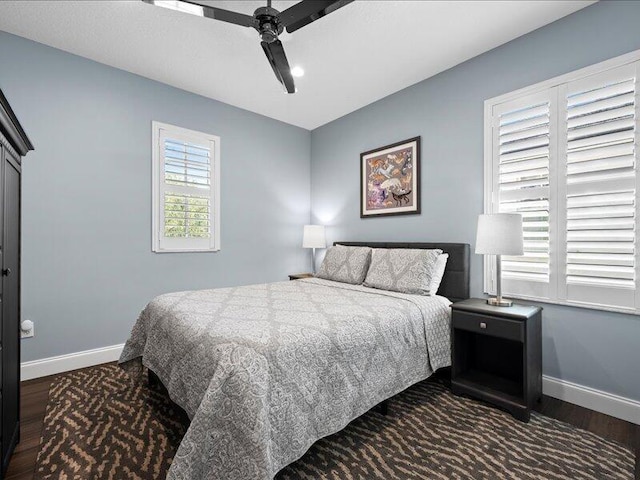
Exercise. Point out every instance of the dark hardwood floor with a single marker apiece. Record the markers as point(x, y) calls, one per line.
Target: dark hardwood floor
point(33, 402)
point(35, 394)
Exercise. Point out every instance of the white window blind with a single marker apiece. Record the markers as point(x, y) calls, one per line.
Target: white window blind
point(564, 156)
point(186, 185)
point(522, 149)
point(599, 136)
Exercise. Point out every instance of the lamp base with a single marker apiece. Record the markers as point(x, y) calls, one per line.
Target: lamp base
point(499, 302)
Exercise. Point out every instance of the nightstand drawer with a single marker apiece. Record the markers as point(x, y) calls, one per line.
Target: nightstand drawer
point(488, 325)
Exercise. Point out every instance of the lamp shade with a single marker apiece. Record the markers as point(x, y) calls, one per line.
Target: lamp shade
point(314, 237)
point(500, 234)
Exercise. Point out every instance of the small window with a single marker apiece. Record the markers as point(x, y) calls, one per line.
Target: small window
point(186, 190)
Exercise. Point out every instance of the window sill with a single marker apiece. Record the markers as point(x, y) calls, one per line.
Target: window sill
point(186, 250)
point(604, 308)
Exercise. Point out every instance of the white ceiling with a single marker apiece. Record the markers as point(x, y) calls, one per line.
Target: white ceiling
point(353, 57)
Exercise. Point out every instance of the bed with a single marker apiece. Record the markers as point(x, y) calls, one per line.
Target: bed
point(263, 371)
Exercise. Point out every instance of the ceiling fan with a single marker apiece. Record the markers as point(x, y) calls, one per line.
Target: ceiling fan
point(269, 23)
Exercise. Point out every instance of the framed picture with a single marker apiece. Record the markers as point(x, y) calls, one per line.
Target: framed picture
point(390, 180)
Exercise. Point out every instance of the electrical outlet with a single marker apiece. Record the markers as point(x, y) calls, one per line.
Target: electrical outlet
point(27, 329)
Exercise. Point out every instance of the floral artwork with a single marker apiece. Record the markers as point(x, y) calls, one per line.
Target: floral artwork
point(390, 181)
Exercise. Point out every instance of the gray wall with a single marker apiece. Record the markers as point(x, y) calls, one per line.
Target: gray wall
point(88, 268)
point(588, 347)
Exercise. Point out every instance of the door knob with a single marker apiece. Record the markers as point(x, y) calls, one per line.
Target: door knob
point(6, 272)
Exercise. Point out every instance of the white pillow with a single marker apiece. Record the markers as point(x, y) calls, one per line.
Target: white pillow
point(438, 273)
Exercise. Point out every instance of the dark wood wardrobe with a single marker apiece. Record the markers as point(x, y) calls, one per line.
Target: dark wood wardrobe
point(14, 144)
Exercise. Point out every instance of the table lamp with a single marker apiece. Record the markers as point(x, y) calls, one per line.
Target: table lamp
point(499, 234)
point(314, 237)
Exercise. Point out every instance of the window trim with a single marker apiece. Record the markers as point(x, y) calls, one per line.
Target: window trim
point(489, 194)
point(156, 187)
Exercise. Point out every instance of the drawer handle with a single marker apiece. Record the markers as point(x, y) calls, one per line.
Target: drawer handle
point(483, 325)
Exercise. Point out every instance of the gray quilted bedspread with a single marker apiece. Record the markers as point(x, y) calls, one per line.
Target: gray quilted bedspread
point(263, 371)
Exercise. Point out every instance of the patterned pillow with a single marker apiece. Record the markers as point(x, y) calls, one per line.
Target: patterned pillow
point(404, 270)
point(345, 264)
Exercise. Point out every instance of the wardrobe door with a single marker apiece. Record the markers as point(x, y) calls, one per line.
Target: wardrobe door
point(10, 307)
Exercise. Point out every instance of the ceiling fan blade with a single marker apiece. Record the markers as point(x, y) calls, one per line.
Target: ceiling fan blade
point(278, 60)
point(206, 11)
point(307, 11)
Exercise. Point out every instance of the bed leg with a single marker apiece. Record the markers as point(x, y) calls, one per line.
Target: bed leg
point(384, 407)
point(154, 381)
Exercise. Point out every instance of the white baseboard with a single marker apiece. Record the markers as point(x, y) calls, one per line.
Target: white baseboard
point(603, 402)
point(607, 403)
point(71, 361)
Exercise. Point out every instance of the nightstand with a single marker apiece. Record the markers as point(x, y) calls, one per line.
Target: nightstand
point(496, 354)
point(298, 276)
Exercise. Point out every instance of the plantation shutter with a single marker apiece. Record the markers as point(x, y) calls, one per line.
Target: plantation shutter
point(522, 136)
point(599, 163)
point(565, 158)
point(186, 193)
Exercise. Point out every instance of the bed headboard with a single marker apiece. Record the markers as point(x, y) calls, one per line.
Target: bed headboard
point(455, 283)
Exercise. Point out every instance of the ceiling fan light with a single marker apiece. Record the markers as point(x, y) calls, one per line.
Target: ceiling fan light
point(297, 71)
point(268, 36)
point(180, 6)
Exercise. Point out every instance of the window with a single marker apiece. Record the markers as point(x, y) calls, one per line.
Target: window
point(186, 190)
point(562, 154)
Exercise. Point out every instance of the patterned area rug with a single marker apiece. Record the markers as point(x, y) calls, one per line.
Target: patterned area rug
point(99, 426)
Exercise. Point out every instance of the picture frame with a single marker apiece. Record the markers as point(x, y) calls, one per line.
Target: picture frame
point(390, 180)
